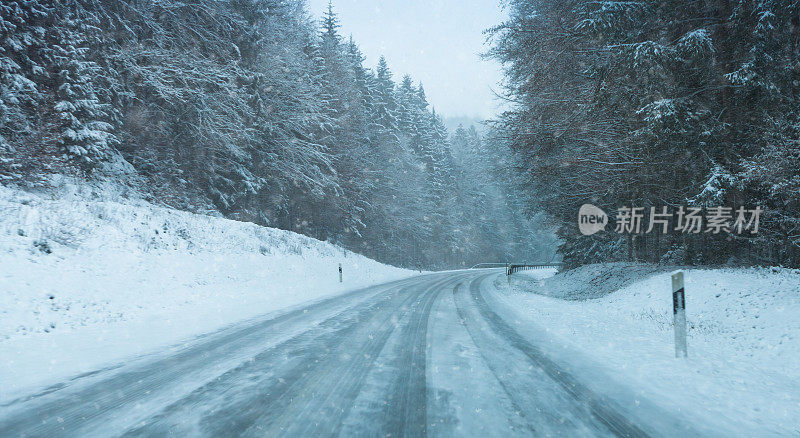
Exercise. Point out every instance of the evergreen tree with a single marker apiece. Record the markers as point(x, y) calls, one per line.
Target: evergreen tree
point(86, 131)
point(385, 103)
point(20, 42)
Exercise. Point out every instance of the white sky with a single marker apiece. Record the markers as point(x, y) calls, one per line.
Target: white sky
point(437, 42)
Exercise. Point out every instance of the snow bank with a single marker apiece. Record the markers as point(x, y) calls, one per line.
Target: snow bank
point(86, 282)
point(589, 281)
point(535, 274)
point(742, 375)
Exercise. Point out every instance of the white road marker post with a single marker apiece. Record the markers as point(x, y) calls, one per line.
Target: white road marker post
point(340, 272)
point(679, 314)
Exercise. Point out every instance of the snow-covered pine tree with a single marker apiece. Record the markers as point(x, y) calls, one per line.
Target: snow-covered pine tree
point(385, 102)
point(85, 121)
point(86, 131)
point(22, 27)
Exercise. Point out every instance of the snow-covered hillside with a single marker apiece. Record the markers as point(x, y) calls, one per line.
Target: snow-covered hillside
point(84, 282)
point(742, 373)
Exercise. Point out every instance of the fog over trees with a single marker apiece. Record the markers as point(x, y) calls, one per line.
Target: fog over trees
point(257, 111)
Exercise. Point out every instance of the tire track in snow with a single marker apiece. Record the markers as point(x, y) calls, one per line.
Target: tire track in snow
point(406, 413)
point(102, 401)
point(602, 409)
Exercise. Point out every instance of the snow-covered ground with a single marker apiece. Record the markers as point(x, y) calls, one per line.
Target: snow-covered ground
point(742, 375)
point(84, 282)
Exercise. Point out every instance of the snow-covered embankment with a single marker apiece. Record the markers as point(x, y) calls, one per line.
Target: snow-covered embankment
point(742, 375)
point(86, 282)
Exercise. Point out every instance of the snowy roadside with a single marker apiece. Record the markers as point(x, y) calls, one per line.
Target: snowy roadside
point(742, 374)
point(84, 283)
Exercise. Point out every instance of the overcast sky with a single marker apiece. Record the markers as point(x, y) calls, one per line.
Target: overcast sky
point(435, 41)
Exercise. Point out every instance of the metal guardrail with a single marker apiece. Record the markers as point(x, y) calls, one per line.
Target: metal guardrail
point(489, 265)
point(516, 268)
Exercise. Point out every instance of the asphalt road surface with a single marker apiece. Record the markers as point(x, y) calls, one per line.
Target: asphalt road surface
point(428, 355)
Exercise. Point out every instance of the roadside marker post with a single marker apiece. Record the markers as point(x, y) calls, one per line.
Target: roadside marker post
point(340, 272)
point(679, 314)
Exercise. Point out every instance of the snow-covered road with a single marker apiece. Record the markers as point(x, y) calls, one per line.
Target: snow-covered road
point(428, 355)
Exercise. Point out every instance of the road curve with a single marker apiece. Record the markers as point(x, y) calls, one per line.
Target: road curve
point(422, 356)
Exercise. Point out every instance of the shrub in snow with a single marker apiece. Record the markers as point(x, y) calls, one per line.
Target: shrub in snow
point(42, 246)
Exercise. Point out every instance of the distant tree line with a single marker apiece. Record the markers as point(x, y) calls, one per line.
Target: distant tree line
point(657, 103)
point(252, 109)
